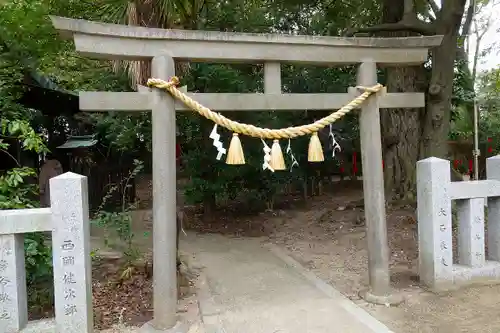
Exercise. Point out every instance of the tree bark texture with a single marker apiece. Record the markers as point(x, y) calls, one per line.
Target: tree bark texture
point(412, 134)
point(436, 124)
point(401, 128)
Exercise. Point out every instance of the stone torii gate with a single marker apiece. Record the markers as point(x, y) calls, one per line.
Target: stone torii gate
point(163, 47)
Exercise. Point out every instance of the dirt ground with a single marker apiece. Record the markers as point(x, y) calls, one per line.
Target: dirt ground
point(120, 300)
point(125, 303)
point(328, 237)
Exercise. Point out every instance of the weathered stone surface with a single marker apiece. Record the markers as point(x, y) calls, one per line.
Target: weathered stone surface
point(164, 201)
point(68, 220)
point(141, 101)
point(13, 297)
point(435, 192)
point(272, 78)
point(69, 26)
point(71, 253)
point(18, 221)
point(470, 213)
point(130, 42)
point(493, 173)
point(373, 186)
point(474, 189)
point(434, 222)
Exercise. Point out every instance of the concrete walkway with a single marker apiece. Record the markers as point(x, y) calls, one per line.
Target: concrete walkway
point(249, 287)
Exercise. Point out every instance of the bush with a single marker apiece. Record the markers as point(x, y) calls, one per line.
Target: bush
point(17, 193)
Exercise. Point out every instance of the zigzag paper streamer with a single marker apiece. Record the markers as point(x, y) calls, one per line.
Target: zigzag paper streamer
point(334, 143)
point(267, 156)
point(289, 152)
point(217, 143)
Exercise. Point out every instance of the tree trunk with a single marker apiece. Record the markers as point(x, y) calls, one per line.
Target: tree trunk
point(410, 134)
point(401, 128)
point(436, 124)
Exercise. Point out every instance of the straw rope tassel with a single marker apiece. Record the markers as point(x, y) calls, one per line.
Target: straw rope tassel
point(315, 153)
point(277, 161)
point(235, 154)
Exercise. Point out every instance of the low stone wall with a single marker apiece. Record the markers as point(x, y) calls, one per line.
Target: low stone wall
point(435, 193)
point(68, 220)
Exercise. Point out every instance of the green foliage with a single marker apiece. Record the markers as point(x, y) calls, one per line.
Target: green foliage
point(488, 101)
point(134, 134)
point(16, 192)
point(38, 255)
point(461, 126)
point(489, 106)
point(119, 224)
point(22, 131)
point(28, 42)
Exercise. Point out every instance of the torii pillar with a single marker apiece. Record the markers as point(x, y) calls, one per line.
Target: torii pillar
point(164, 199)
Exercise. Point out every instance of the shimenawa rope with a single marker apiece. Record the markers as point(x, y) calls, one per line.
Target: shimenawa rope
point(258, 132)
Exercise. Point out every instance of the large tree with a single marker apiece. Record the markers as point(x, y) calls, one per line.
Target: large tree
point(409, 135)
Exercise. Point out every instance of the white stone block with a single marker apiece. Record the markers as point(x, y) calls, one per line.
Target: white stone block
point(466, 275)
point(474, 189)
point(434, 222)
point(13, 297)
point(470, 213)
point(71, 253)
point(272, 78)
point(19, 221)
point(493, 236)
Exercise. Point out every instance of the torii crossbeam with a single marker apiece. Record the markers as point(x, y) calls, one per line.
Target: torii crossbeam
point(164, 47)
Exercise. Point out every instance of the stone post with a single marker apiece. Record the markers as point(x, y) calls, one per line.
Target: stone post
point(272, 78)
point(470, 213)
point(71, 253)
point(13, 297)
point(493, 173)
point(164, 199)
point(373, 190)
point(434, 222)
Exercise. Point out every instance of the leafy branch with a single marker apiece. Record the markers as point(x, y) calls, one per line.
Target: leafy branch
point(120, 222)
point(409, 22)
point(22, 131)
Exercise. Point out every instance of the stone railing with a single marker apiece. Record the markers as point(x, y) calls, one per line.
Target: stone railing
point(68, 220)
point(435, 193)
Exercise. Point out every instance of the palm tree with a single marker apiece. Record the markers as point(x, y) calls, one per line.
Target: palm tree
point(166, 14)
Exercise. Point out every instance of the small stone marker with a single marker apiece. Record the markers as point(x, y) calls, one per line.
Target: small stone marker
point(71, 253)
point(493, 172)
point(13, 303)
point(471, 232)
point(434, 221)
